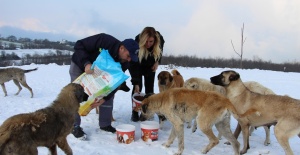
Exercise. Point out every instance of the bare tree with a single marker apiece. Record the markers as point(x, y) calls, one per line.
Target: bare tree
point(242, 47)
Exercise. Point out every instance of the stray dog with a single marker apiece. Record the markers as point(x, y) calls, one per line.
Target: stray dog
point(282, 110)
point(167, 81)
point(122, 87)
point(208, 108)
point(17, 75)
point(258, 88)
point(48, 127)
point(205, 85)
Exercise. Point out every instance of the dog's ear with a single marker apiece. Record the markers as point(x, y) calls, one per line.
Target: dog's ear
point(144, 108)
point(158, 76)
point(234, 77)
point(170, 77)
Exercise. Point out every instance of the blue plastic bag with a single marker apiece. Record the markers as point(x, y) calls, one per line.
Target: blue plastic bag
point(106, 63)
point(107, 76)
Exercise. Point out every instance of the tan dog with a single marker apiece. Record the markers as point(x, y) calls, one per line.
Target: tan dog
point(282, 110)
point(167, 81)
point(258, 88)
point(48, 127)
point(205, 85)
point(17, 75)
point(179, 105)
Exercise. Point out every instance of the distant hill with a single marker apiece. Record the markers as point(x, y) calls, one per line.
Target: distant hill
point(6, 31)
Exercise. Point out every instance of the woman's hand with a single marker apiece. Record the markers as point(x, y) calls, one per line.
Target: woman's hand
point(136, 89)
point(87, 69)
point(97, 103)
point(155, 66)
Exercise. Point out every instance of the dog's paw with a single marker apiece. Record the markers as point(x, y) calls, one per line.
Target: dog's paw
point(166, 145)
point(204, 151)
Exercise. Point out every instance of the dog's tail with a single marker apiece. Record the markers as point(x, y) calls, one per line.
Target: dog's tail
point(175, 72)
point(29, 70)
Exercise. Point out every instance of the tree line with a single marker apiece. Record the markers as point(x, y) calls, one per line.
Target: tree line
point(64, 58)
point(192, 61)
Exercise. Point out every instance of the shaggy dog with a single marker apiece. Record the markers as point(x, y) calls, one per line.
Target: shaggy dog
point(167, 81)
point(282, 110)
point(179, 105)
point(17, 75)
point(23, 133)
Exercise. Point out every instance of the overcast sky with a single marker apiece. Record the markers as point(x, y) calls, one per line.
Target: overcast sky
point(201, 28)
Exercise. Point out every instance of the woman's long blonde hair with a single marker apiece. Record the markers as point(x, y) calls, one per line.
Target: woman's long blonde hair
point(144, 35)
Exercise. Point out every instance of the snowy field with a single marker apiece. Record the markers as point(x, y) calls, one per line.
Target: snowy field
point(48, 80)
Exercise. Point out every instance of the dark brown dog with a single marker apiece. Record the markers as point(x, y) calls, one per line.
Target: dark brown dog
point(17, 75)
point(23, 133)
point(167, 81)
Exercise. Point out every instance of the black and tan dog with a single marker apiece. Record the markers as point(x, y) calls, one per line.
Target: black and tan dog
point(181, 105)
point(17, 75)
point(23, 133)
point(282, 110)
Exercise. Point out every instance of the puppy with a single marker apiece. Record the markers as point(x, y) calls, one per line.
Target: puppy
point(167, 81)
point(48, 127)
point(273, 109)
point(208, 108)
point(17, 75)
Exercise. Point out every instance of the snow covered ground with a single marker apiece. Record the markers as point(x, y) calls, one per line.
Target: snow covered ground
point(48, 80)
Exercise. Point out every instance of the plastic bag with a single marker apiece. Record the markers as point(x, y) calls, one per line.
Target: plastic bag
point(107, 76)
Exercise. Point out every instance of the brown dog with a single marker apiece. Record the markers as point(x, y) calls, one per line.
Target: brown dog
point(17, 75)
point(282, 110)
point(167, 81)
point(208, 108)
point(23, 133)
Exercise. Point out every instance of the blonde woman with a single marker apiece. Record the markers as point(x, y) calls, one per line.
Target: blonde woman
point(151, 44)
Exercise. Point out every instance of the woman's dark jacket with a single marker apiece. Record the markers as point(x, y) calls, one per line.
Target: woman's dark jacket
point(136, 67)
